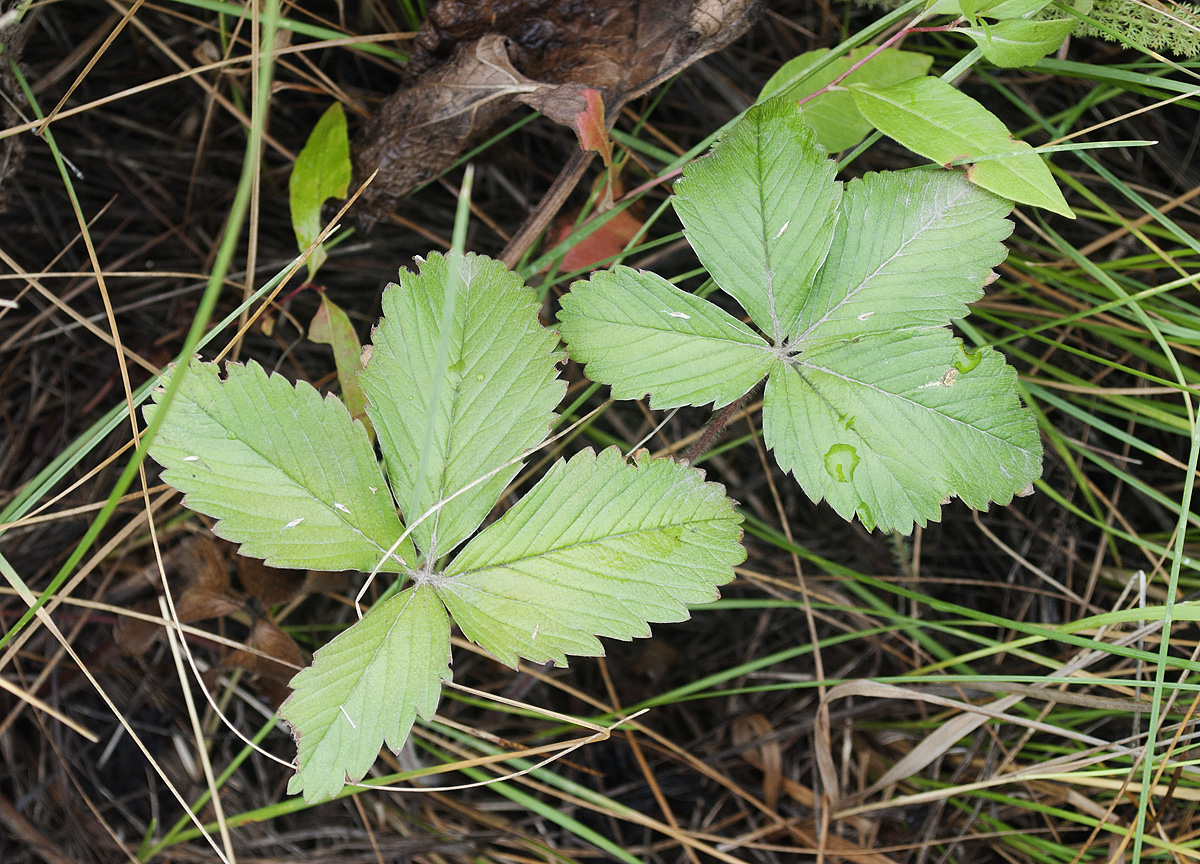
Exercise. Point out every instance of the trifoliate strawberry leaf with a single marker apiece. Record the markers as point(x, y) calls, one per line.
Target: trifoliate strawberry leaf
point(640, 332)
point(254, 452)
point(599, 547)
point(760, 211)
point(496, 401)
point(365, 688)
point(870, 401)
point(931, 118)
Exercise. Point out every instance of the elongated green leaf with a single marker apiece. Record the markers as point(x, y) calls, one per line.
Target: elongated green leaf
point(365, 688)
point(931, 118)
point(642, 334)
point(287, 474)
point(322, 171)
point(760, 211)
point(1012, 8)
point(889, 428)
point(598, 548)
point(1020, 41)
point(911, 250)
point(331, 326)
point(832, 114)
point(497, 399)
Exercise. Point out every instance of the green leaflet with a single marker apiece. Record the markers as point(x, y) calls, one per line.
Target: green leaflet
point(832, 114)
point(365, 688)
point(322, 171)
point(766, 183)
point(253, 452)
point(642, 333)
point(870, 401)
point(889, 428)
point(1005, 9)
point(497, 401)
point(598, 548)
point(931, 118)
point(331, 326)
point(911, 250)
point(1020, 41)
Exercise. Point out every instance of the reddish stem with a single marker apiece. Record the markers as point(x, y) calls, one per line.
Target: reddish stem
point(712, 430)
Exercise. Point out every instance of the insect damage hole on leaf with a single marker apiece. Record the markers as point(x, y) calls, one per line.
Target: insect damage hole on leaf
point(599, 547)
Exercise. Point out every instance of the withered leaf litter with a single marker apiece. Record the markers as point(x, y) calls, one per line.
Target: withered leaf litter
point(473, 62)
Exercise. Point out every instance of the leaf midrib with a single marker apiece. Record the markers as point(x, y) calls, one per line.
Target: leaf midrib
point(862, 285)
point(364, 667)
point(449, 578)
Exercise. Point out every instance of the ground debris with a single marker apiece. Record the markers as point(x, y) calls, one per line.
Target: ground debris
point(473, 62)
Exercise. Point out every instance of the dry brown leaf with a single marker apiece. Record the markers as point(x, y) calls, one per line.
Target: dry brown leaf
point(767, 757)
point(273, 657)
point(203, 591)
point(472, 62)
point(270, 585)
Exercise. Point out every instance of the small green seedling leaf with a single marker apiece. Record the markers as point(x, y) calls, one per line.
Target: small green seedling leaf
point(322, 171)
point(598, 548)
point(366, 687)
point(496, 402)
point(331, 326)
point(252, 452)
point(870, 400)
point(1019, 41)
point(833, 114)
point(931, 118)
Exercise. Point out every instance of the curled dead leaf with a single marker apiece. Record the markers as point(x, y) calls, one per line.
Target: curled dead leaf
point(472, 62)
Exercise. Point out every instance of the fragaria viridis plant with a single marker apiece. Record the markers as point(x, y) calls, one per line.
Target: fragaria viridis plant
point(871, 402)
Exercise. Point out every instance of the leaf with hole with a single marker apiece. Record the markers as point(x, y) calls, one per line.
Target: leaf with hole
point(870, 401)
